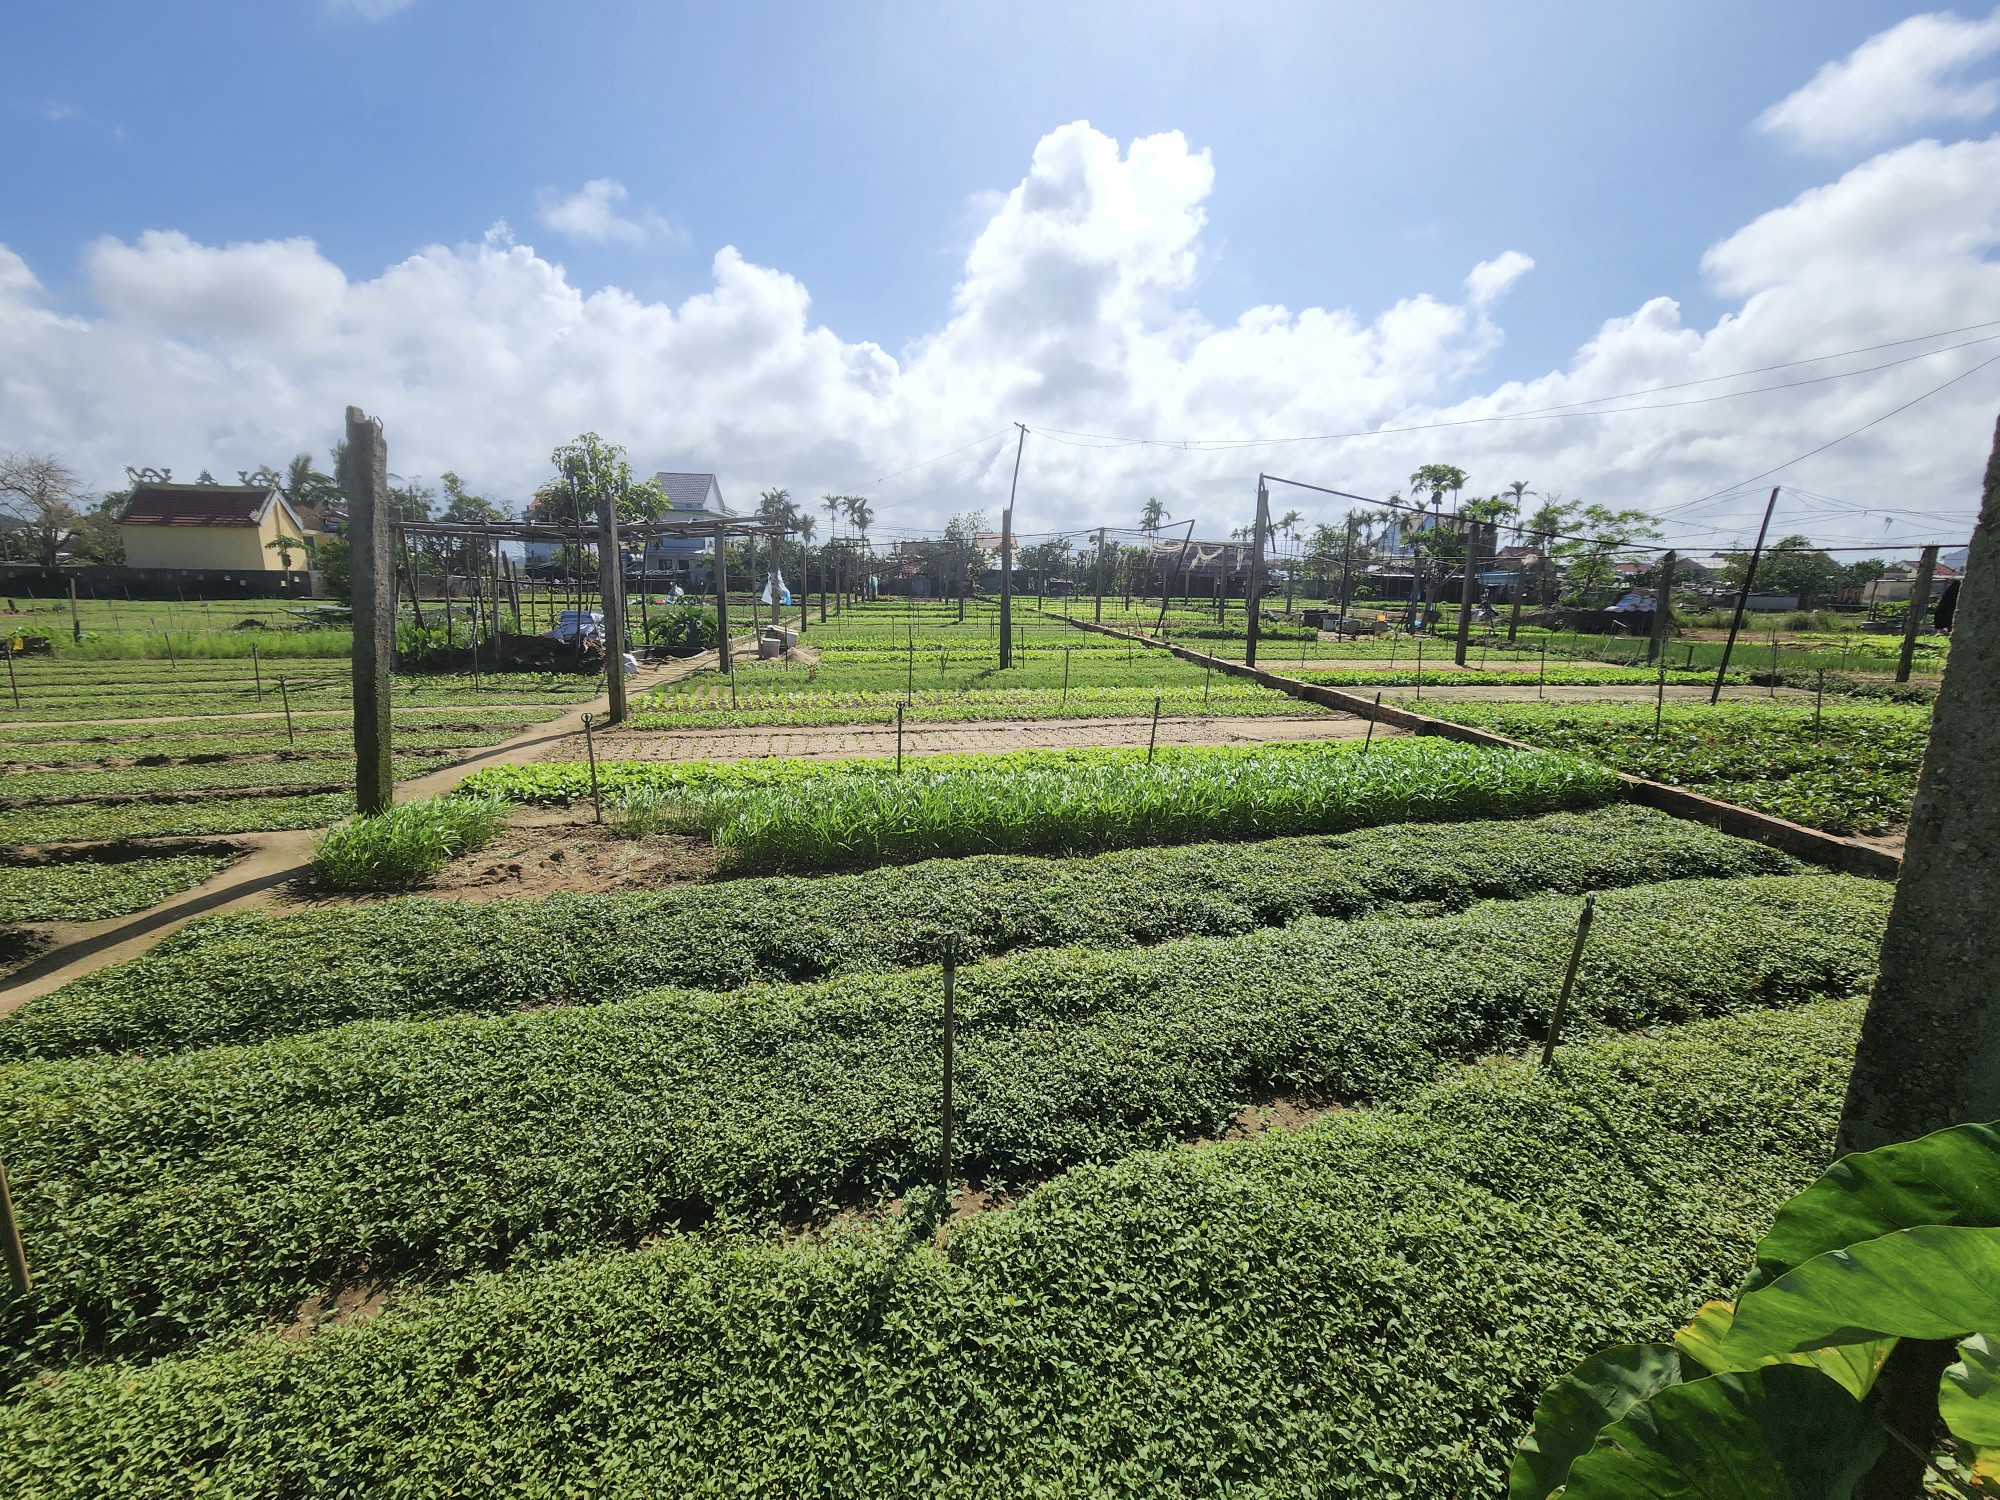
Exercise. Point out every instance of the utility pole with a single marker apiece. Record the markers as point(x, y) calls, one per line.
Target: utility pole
point(1929, 1055)
point(1253, 590)
point(372, 571)
point(611, 595)
point(1663, 609)
point(1097, 612)
point(1743, 596)
point(1468, 532)
point(1007, 559)
point(1920, 599)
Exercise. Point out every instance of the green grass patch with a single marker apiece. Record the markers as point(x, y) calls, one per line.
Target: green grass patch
point(172, 1197)
point(1851, 768)
point(249, 976)
point(1367, 1307)
point(405, 846)
point(54, 823)
point(946, 705)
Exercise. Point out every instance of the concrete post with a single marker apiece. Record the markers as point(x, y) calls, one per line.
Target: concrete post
point(1929, 1055)
point(1920, 601)
point(611, 594)
point(1253, 588)
point(1469, 534)
point(722, 597)
point(371, 524)
point(1663, 608)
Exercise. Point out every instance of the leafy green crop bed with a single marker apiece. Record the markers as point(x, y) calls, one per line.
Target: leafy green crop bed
point(1855, 773)
point(1556, 676)
point(86, 891)
point(215, 982)
point(1366, 1307)
point(173, 1196)
point(786, 815)
point(57, 822)
point(217, 776)
point(933, 705)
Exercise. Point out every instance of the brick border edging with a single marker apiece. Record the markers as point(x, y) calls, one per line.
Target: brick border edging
point(1849, 856)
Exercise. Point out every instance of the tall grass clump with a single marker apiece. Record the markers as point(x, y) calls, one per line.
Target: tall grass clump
point(950, 811)
point(404, 846)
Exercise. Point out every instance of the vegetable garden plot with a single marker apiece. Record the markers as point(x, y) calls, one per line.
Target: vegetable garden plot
point(172, 1197)
point(1846, 768)
point(211, 815)
point(216, 981)
point(818, 815)
point(91, 891)
point(933, 706)
point(1366, 1307)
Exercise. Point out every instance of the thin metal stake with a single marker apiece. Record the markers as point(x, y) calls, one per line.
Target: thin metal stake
point(950, 1062)
point(1065, 691)
point(1542, 675)
point(12, 681)
point(1153, 739)
point(1819, 699)
point(1370, 739)
point(285, 694)
point(10, 1241)
point(257, 668)
point(590, 747)
point(899, 739)
point(1569, 981)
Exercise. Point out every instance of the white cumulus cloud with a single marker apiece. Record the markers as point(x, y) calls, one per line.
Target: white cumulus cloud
point(1901, 79)
point(1492, 277)
point(1074, 312)
point(590, 214)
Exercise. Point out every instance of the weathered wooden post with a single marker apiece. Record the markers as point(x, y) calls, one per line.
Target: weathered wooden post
point(1920, 598)
point(611, 592)
point(1469, 534)
point(370, 525)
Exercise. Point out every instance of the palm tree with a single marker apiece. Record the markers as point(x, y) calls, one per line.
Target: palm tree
point(304, 485)
point(860, 515)
point(1152, 516)
point(834, 506)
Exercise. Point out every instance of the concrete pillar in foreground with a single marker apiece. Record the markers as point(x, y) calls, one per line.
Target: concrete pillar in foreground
point(611, 595)
point(371, 526)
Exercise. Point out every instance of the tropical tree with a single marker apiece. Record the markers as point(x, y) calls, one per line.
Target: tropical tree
point(1152, 516)
point(860, 515)
point(41, 494)
point(305, 487)
point(1437, 478)
point(1790, 565)
point(586, 469)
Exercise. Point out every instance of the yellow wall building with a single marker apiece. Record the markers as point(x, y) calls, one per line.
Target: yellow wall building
point(223, 527)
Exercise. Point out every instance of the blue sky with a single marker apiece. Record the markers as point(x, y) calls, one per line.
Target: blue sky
point(1359, 156)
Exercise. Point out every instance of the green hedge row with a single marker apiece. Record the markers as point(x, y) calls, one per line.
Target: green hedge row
point(254, 975)
point(169, 1197)
point(1364, 1308)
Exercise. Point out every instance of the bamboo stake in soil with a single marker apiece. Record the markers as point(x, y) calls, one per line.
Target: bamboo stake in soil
point(10, 1241)
point(590, 748)
point(950, 1038)
point(1569, 981)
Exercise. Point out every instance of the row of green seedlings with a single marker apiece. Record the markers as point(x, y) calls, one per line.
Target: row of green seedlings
point(1372, 1300)
point(173, 1197)
point(864, 813)
point(210, 985)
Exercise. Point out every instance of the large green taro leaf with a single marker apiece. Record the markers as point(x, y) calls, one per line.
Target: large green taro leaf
point(1947, 1177)
point(1969, 1398)
point(1937, 1281)
point(1702, 1347)
point(1783, 1432)
point(1579, 1406)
